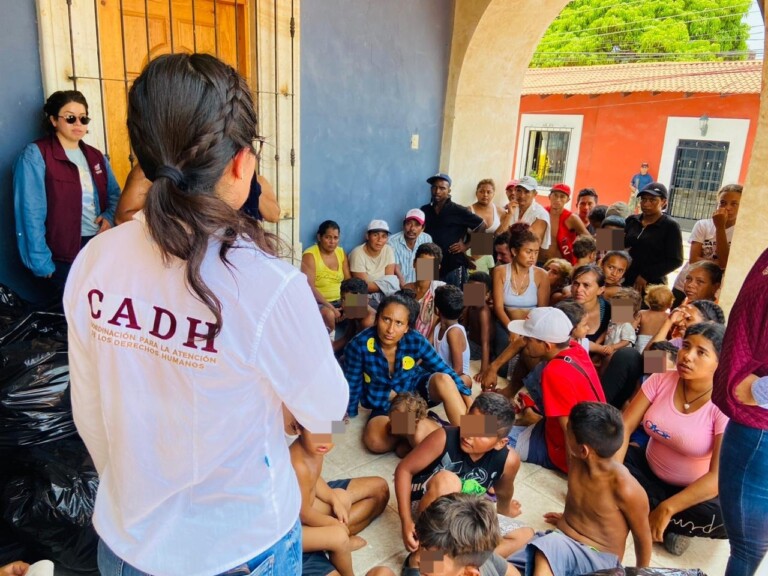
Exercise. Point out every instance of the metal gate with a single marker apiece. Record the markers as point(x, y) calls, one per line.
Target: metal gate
point(107, 43)
point(696, 177)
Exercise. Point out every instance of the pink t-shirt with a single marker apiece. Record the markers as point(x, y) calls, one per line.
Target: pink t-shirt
point(680, 449)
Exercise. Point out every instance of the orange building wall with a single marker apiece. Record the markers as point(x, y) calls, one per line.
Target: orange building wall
point(621, 131)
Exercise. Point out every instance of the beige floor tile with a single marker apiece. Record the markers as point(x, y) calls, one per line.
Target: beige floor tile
point(384, 541)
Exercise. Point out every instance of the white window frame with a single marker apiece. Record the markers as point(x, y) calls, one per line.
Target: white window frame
point(572, 123)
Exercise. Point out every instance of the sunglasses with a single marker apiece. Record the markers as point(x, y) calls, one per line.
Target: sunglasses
point(71, 119)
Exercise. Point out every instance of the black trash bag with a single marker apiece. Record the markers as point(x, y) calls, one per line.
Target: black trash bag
point(11, 549)
point(49, 503)
point(35, 404)
point(12, 308)
point(631, 571)
point(36, 325)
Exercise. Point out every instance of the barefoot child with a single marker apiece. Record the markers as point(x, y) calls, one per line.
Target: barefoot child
point(478, 319)
point(658, 298)
point(332, 513)
point(470, 459)
point(410, 421)
point(449, 337)
point(603, 504)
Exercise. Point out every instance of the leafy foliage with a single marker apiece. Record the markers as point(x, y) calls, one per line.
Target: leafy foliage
point(591, 32)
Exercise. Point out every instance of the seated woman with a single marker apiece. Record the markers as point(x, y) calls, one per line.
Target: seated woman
point(520, 285)
point(702, 281)
point(679, 467)
point(326, 267)
point(486, 209)
point(678, 321)
point(587, 289)
point(390, 358)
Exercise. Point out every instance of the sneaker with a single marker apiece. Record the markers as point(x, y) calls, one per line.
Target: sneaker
point(676, 544)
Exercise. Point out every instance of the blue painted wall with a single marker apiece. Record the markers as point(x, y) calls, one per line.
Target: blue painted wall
point(373, 72)
point(21, 92)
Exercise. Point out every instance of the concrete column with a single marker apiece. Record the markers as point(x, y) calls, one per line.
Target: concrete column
point(493, 42)
point(750, 237)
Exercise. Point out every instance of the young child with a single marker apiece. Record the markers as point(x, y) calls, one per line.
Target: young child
point(356, 314)
point(620, 333)
point(478, 320)
point(578, 317)
point(409, 419)
point(470, 459)
point(658, 299)
point(430, 255)
point(559, 272)
point(603, 504)
point(333, 513)
point(585, 250)
point(457, 537)
point(614, 265)
point(449, 337)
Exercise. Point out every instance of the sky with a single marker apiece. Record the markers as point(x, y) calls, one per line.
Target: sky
point(757, 33)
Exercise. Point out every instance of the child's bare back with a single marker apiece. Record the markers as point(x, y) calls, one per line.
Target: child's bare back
point(651, 321)
point(597, 505)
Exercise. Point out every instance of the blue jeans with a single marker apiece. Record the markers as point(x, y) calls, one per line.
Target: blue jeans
point(282, 559)
point(743, 485)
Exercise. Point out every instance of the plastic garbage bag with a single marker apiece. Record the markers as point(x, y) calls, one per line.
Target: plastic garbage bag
point(12, 307)
point(48, 503)
point(34, 382)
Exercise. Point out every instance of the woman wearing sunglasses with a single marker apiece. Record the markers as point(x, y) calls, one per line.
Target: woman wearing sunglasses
point(64, 190)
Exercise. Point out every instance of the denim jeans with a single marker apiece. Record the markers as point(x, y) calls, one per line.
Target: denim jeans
point(282, 559)
point(743, 485)
point(457, 277)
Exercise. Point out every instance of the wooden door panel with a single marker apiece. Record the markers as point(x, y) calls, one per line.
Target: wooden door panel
point(171, 28)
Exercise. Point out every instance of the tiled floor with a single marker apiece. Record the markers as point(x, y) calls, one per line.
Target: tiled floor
point(538, 490)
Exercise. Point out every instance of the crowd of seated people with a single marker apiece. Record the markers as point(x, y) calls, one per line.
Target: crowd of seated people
point(579, 323)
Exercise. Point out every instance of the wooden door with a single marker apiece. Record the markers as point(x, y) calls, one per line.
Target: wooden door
point(132, 32)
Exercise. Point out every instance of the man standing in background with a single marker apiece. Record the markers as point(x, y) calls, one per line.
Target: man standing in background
point(639, 182)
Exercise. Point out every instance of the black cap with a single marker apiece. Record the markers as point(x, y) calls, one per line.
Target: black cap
point(655, 189)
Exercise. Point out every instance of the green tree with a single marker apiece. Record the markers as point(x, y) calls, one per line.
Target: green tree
point(591, 32)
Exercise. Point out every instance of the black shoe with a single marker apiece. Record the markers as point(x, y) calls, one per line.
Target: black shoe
point(676, 544)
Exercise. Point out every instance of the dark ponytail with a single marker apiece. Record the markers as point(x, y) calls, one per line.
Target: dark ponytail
point(188, 116)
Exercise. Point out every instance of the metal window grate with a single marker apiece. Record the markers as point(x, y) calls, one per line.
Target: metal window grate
point(696, 178)
point(546, 154)
point(254, 36)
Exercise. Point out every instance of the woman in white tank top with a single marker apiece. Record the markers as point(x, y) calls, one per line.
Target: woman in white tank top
point(484, 207)
point(520, 285)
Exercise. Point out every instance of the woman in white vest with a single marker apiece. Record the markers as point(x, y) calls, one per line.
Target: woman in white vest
point(183, 331)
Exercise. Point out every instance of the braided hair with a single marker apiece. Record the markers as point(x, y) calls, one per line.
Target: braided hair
point(189, 115)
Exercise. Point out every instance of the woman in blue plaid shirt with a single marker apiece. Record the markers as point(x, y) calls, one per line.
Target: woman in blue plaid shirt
point(389, 358)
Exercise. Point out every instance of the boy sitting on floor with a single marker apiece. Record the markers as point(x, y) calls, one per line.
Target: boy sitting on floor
point(410, 420)
point(457, 537)
point(603, 504)
point(470, 459)
point(449, 337)
point(332, 513)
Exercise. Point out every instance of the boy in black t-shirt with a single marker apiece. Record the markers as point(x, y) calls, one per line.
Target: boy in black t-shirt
point(470, 459)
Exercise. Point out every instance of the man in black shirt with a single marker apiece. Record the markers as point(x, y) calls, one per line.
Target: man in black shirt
point(653, 239)
point(449, 224)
